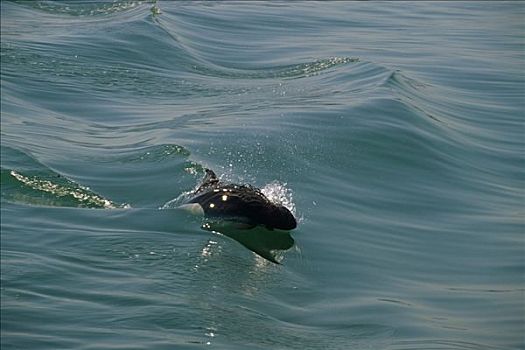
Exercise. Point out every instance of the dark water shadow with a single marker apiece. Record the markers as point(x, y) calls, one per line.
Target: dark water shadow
point(269, 244)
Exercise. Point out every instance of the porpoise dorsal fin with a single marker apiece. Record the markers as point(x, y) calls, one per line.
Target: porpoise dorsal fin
point(210, 180)
point(209, 177)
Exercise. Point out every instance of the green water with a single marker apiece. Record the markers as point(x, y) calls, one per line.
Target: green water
point(393, 130)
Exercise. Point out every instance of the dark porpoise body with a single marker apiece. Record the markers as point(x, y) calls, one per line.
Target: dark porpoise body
point(241, 203)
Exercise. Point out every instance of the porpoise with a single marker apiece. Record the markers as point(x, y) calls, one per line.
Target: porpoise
point(239, 203)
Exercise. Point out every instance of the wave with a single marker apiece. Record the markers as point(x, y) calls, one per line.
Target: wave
point(293, 71)
point(58, 192)
point(36, 184)
point(149, 154)
point(83, 8)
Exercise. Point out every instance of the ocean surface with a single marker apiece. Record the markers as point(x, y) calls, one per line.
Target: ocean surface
point(394, 131)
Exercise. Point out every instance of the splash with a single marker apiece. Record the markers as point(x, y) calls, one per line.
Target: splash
point(278, 193)
point(176, 202)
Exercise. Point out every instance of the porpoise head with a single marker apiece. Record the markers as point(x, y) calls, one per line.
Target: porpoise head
point(279, 217)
